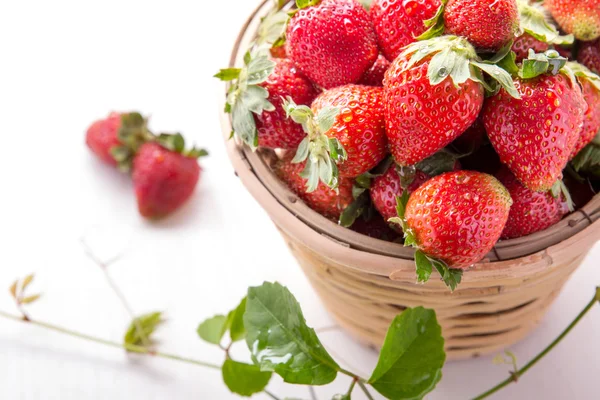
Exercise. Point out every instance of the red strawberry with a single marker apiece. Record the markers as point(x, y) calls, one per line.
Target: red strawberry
point(428, 103)
point(324, 200)
point(457, 217)
point(590, 84)
point(579, 17)
point(398, 22)
point(524, 43)
point(589, 55)
point(531, 211)
point(487, 24)
point(374, 76)
point(255, 101)
point(103, 135)
point(163, 179)
point(387, 187)
point(535, 135)
point(359, 127)
point(332, 42)
point(275, 130)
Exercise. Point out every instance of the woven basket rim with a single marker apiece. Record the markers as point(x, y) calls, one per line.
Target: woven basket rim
point(298, 220)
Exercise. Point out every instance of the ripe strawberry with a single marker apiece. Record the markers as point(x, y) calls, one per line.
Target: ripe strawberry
point(275, 130)
point(387, 187)
point(525, 42)
point(487, 24)
point(531, 211)
point(579, 17)
point(535, 136)
point(428, 100)
point(324, 200)
point(359, 127)
point(164, 179)
point(590, 84)
point(456, 217)
point(102, 137)
point(399, 22)
point(374, 76)
point(255, 101)
point(589, 55)
point(332, 42)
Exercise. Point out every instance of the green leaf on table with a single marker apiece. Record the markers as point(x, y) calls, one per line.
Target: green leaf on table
point(147, 323)
point(213, 329)
point(280, 341)
point(235, 322)
point(244, 379)
point(411, 359)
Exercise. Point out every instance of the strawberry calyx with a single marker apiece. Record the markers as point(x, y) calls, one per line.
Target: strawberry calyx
point(550, 62)
point(321, 152)
point(424, 263)
point(271, 32)
point(535, 22)
point(587, 161)
point(435, 24)
point(306, 3)
point(560, 189)
point(582, 73)
point(176, 143)
point(246, 97)
point(439, 163)
point(454, 57)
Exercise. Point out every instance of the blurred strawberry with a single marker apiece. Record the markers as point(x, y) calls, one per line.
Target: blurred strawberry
point(524, 43)
point(102, 137)
point(590, 84)
point(579, 17)
point(589, 55)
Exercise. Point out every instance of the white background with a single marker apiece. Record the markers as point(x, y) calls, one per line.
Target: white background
point(64, 64)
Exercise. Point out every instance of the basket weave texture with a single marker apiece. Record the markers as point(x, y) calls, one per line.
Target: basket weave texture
point(364, 283)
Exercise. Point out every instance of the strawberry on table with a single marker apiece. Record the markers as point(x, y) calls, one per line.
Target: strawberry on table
point(453, 220)
point(345, 133)
point(164, 175)
point(255, 101)
point(536, 134)
point(433, 92)
point(531, 211)
point(324, 200)
point(589, 55)
point(331, 41)
point(579, 17)
point(103, 135)
point(590, 84)
point(399, 22)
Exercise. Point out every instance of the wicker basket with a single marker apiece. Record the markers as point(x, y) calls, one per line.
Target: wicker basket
point(365, 282)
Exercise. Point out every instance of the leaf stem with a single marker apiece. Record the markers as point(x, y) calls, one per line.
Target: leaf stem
point(364, 389)
point(517, 374)
point(125, 346)
point(351, 388)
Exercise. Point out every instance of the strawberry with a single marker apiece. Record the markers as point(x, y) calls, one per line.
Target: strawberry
point(399, 22)
point(525, 42)
point(531, 211)
point(255, 101)
point(332, 42)
point(374, 76)
point(324, 200)
point(589, 55)
point(453, 220)
point(535, 135)
point(345, 133)
point(164, 178)
point(102, 137)
point(433, 93)
point(487, 24)
point(590, 84)
point(387, 187)
point(579, 17)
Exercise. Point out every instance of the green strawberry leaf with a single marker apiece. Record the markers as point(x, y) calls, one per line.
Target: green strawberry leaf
point(451, 277)
point(534, 22)
point(424, 266)
point(271, 32)
point(509, 63)
point(306, 3)
point(499, 75)
point(302, 151)
point(228, 74)
point(355, 209)
point(147, 323)
point(437, 164)
point(560, 189)
point(235, 322)
point(213, 329)
point(411, 359)
point(582, 73)
point(366, 4)
point(281, 341)
point(542, 63)
point(244, 379)
point(435, 24)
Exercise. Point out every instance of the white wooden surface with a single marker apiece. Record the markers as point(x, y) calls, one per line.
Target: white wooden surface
point(65, 63)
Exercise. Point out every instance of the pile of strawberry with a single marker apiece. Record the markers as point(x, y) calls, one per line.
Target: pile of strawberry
point(446, 122)
point(164, 173)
